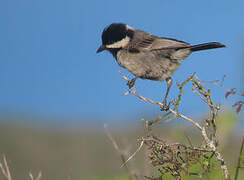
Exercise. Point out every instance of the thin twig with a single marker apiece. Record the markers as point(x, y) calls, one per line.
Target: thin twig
point(176, 114)
point(131, 175)
point(231, 90)
point(197, 93)
point(138, 149)
point(5, 169)
point(202, 92)
point(38, 176)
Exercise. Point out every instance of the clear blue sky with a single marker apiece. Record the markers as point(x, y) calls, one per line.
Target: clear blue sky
point(49, 65)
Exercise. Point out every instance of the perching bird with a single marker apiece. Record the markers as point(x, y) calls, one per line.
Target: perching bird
point(148, 56)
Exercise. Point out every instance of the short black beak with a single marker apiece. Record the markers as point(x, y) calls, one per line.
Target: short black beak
point(101, 48)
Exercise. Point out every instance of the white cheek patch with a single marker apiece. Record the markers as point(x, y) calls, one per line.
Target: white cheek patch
point(120, 44)
point(129, 27)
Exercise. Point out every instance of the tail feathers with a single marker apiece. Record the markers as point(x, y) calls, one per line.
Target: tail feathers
point(205, 46)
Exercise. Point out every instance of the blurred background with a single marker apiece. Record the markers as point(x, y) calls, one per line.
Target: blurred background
point(56, 92)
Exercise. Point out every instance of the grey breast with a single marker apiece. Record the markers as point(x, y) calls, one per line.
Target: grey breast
point(157, 59)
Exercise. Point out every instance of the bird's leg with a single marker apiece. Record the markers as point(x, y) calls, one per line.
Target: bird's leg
point(131, 82)
point(165, 107)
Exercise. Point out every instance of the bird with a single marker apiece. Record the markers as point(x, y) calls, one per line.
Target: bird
point(148, 56)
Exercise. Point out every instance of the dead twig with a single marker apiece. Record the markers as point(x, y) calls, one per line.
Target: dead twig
point(38, 176)
point(138, 149)
point(229, 91)
point(5, 169)
point(122, 156)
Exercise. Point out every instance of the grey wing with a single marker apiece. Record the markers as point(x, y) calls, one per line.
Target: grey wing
point(143, 41)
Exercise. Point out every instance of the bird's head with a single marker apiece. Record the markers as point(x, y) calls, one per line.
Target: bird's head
point(116, 36)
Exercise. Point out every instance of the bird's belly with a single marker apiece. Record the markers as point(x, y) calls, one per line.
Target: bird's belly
point(147, 65)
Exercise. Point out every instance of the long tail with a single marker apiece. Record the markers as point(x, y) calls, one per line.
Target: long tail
point(205, 46)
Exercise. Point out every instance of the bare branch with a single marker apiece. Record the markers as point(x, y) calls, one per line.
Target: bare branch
point(205, 96)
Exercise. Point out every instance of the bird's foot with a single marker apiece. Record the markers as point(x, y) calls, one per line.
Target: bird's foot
point(165, 107)
point(131, 83)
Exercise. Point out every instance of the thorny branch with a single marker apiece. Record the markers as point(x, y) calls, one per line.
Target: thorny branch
point(210, 139)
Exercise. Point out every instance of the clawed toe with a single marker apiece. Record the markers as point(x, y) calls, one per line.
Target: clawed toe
point(165, 107)
point(131, 83)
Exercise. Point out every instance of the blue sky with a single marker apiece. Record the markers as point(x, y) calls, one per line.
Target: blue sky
point(49, 65)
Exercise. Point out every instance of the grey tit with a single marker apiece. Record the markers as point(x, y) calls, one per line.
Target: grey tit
point(148, 56)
